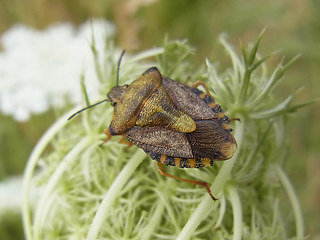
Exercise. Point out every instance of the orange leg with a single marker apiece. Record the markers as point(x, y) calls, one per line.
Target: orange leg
point(234, 119)
point(199, 183)
point(122, 140)
point(198, 83)
point(106, 132)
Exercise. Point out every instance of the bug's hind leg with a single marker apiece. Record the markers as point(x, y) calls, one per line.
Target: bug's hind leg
point(199, 183)
point(198, 83)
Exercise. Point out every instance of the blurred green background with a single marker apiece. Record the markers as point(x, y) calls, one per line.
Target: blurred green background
point(293, 26)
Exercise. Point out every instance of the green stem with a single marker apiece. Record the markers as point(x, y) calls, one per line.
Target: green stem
point(113, 193)
point(154, 222)
point(206, 204)
point(237, 211)
point(294, 202)
point(43, 206)
point(222, 211)
point(145, 54)
point(245, 85)
point(30, 167)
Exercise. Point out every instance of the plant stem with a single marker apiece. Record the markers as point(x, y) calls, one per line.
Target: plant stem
point(66, 163)
point(237, 212)
point(294, 202)
point(113, 193)
point(30, 167)
point(145, 54)
point(154, 221)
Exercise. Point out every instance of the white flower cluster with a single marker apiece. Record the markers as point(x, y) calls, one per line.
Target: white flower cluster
point(41, 69)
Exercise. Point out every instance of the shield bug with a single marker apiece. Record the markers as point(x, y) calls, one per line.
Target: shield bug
point(174, 124)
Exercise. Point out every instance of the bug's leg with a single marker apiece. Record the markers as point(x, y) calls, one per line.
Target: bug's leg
point(199, 183)
point(123, 140)
point(234, 119)
point(198, 83)
point(106, 132)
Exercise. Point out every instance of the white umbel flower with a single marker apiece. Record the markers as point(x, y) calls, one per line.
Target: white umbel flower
point(41, 69)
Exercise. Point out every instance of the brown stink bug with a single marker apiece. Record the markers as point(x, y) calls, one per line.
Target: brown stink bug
point(174, 124)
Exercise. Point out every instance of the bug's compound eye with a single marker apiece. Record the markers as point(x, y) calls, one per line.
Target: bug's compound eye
point(116, 93)
point(113, 103)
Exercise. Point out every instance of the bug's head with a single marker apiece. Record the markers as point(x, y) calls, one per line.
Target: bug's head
point(115, 94)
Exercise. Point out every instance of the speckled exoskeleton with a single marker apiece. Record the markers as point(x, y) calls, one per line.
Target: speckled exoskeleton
point(174, 124)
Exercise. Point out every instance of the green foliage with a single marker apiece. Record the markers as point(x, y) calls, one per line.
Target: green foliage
point(112, 192)
point(10, 225)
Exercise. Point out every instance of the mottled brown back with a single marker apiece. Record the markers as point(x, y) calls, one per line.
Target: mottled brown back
point(160, 140)
point(188, 101)
point(210, 140)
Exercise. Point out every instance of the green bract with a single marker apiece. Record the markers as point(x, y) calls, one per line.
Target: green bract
point(91, 192)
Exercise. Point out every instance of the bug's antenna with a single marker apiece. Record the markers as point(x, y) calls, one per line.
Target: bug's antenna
point(118, 68)
point(81, 110)
point(105, 100)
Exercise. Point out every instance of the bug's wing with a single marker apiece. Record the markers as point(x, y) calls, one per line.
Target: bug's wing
point(160, 140)
point(188, 101)
point(159, 110)
point(212, 141)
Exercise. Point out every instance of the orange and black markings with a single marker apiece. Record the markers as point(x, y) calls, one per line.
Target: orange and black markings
point(224, 120)
point(181, 162)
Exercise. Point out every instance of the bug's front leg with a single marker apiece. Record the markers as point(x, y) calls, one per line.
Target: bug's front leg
point(121, 140)
point(199, 183)
point(106, 132)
